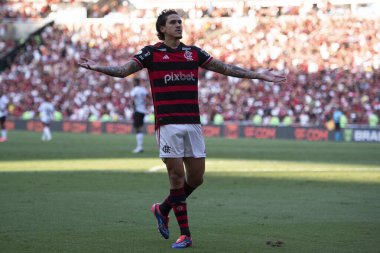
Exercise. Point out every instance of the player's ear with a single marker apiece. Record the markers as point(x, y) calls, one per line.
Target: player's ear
point(162, 29)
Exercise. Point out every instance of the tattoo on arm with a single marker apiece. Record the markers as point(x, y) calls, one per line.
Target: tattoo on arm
point(120, 71)
point(231, 70)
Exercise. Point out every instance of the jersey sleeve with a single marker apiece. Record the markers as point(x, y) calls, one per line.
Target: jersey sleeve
point(144, 57)
point(203, 57)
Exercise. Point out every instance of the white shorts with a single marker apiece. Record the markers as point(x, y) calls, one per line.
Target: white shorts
point(181, 140)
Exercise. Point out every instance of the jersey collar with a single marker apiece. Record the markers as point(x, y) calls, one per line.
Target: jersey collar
point(169, 49)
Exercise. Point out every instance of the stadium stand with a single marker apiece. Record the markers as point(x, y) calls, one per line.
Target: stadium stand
point(330, 53)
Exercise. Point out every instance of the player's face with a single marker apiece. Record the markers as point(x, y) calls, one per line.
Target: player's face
point(173, 27)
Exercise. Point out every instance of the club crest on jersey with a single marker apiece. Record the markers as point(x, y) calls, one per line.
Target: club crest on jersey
point(189, 56)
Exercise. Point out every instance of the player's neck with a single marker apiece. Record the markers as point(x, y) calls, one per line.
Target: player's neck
point(173, 43)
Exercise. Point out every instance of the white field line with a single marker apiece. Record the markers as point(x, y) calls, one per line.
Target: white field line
point(296, 170)
point(157, 168)
point(231, 168)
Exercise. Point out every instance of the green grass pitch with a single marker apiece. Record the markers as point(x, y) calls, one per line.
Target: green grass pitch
point(87, 193)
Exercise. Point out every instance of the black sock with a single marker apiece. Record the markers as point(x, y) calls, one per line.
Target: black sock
point(188, 189)
point(179, 206)
point(165, 205)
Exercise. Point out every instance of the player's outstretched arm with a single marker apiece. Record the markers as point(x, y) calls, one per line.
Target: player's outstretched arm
point(117, 71)
point(235, 71)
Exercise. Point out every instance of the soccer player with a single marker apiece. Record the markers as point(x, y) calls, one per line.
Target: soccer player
point(337, 114)
point(139, 95)
point(3, 115)
point(46, 110)
point(173, 72)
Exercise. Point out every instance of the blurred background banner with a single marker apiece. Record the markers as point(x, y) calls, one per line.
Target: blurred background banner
point(233, 131)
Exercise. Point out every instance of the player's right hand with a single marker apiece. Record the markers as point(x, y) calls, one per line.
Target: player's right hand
point(87, 63)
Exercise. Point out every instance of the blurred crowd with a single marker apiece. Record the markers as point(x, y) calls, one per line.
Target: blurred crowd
point(6, 41)
point(330, 63)
point(22, 10)
point(12, 11)
point(211, 9)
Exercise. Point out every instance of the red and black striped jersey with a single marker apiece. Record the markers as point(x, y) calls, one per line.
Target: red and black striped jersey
point(173, 75)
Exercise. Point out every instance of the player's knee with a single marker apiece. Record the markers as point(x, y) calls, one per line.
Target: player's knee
point(199, 182)
point(176, 178)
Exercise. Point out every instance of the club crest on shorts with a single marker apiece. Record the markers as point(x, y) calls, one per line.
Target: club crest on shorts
point(166, 149)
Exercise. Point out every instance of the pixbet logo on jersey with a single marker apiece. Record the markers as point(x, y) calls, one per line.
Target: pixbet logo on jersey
point(179, 77)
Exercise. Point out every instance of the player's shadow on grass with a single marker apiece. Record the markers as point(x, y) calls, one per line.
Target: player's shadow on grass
point(110, 212)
